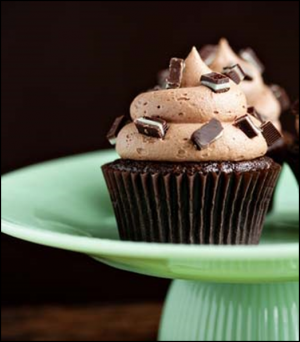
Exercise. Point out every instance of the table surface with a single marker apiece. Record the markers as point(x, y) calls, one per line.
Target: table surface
point(126, 322)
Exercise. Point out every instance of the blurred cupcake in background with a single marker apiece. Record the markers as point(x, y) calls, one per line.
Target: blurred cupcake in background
point(258, 94)
point(269, 101)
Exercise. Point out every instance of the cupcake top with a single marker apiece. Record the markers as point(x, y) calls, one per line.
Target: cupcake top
point(265, 99)
point(201, 116)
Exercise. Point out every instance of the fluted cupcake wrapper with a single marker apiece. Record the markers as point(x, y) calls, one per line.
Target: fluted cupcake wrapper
point(215, 208)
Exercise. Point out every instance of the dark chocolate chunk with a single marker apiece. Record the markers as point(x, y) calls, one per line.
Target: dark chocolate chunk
point(235, 72)
point(152, 127)
point(217, 82)
point(270, 133)
point(281, 95)
point(250, 56)
point(207, 134)
point(252, 111)
point(245, 124)
point(208, 53)
point(175, 73)
point(118, 124)
point(162, 78)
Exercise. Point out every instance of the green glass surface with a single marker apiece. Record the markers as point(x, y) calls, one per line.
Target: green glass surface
point(65, 204)
point(226, 293)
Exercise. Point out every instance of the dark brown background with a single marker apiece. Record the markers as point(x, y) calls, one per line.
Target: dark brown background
point(68, 68)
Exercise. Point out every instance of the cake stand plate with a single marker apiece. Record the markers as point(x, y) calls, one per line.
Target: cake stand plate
point(241, 293)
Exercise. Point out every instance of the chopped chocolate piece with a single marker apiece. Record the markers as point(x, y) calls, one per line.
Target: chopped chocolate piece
point(162, 78)
point(250, 56)
point(175, 73)
point(152, 127)
point(207, 134)
point(118, 124)
point(252, 111)
point(270, 133)
point(235, 72)
point(281, 95)
point(245, 124)
point(217, 82)
point(208, 53)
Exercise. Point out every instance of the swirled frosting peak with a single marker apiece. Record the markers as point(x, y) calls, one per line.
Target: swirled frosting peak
point(194, 69)
point(187, 109)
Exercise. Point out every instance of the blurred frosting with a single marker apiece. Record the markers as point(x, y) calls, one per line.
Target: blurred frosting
point(187, 109)
point(295, 111)
point(258, 94)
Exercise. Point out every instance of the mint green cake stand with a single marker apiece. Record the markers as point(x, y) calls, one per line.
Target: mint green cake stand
point(219, 293)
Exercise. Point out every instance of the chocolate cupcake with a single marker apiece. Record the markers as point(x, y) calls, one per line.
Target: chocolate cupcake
point(293, 146)
point(193, 168)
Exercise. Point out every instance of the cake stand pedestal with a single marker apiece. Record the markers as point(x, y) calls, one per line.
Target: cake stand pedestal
point(196, 311)
point(226, 293)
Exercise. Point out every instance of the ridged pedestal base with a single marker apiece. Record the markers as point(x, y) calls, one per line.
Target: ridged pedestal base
point(196, 311)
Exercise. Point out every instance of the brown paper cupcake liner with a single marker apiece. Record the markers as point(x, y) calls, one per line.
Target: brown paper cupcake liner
point(191, 208)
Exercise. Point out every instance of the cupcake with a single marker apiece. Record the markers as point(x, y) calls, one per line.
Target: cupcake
point(293, 147)
point(269, 101)
point(192, 165)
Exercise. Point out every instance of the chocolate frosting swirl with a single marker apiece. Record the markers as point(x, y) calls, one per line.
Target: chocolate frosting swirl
point(187, 109)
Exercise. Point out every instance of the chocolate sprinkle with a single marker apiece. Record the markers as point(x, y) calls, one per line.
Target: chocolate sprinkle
point(252, 111)
point(207, 134)
point(235, 73)
point(208, 53)
point(175, 73)
point(152, 127)
point(270, 133)
point(245, 124)
point(118, 124)
point(217, 82)
point(250, 56)
point(281, 95)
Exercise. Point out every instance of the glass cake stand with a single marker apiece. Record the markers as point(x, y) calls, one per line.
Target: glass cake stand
point(243, 293)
